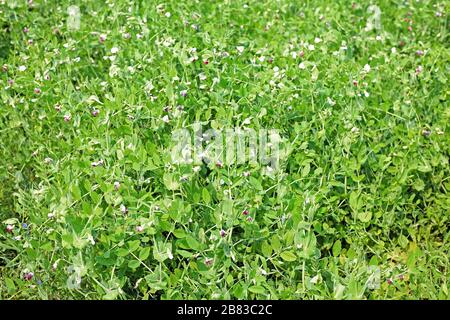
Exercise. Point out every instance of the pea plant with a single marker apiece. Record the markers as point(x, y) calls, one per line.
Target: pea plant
point(252, 149)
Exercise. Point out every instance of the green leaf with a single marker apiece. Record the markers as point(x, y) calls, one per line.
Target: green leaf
point(255, 183)
point(144, 253)
point(133, 264)
point(122, 252)
point(306, 169)
point(170, 182)
point(266, 249)
point(354, 203)
point(76, 192)
point(134, 245)
point(365, 216)
point(184, 253)
point(192, 243)
point(257, 289)
point(206, 196)
point(288, 256)
point(179, 233)
point(337, 248)
point(10, 284)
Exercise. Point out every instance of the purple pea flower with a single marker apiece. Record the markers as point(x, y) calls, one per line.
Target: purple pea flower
point(28, 276)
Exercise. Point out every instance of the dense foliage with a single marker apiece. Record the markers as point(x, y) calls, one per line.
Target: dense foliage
point(92, 207)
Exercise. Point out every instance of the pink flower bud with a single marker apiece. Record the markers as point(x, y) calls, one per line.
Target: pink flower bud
point(9, 228)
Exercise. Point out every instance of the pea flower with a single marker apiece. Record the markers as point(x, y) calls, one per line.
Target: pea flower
point(208, 261)
point(28, 276)
point(419, 69)
point(9, 228)
point(426, 132)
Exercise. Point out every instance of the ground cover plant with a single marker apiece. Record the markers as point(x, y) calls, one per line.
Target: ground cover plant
point(93, 207)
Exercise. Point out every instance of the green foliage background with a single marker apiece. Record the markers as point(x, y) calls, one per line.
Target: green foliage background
point(363, 185)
